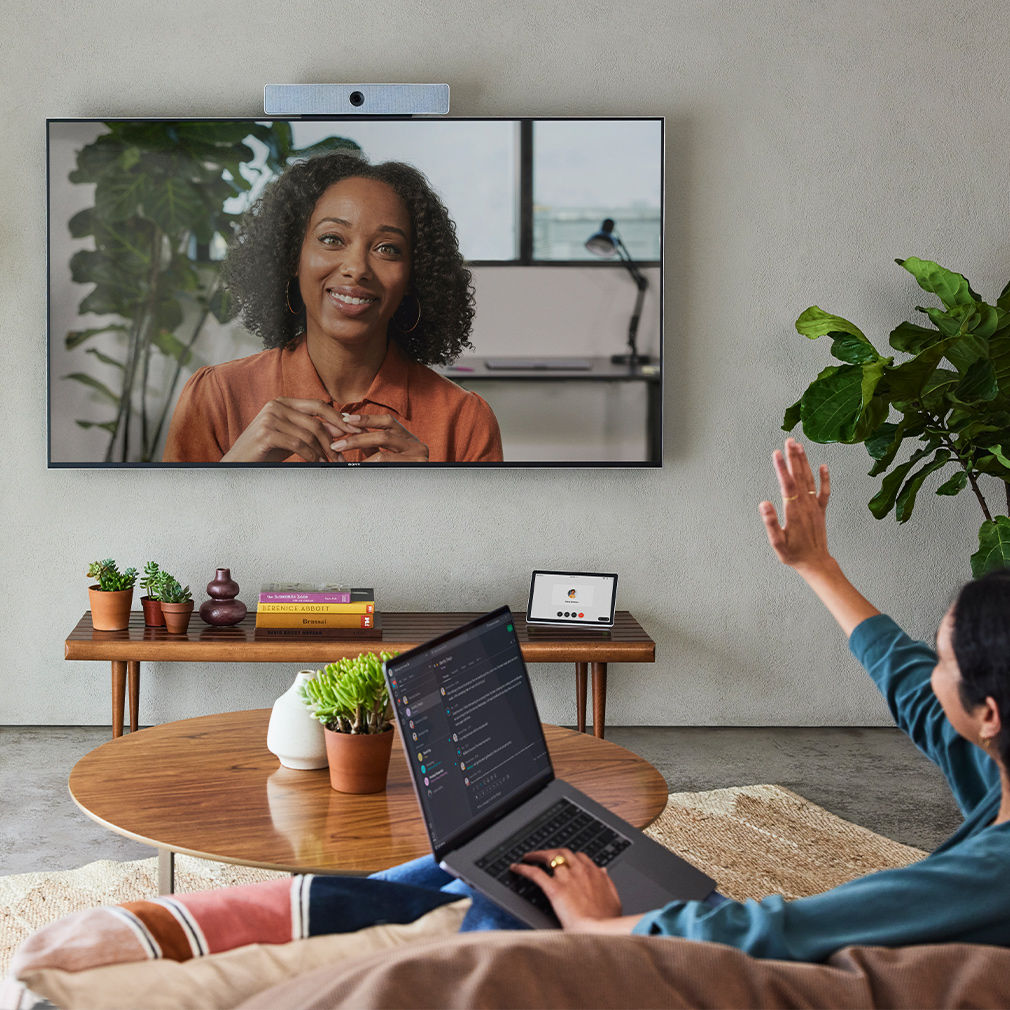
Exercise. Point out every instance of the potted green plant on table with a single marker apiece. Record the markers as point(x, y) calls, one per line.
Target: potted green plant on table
point(350, 699)
point(950, 398)
point(176, 603)
point(153, 617)
point(111, 596)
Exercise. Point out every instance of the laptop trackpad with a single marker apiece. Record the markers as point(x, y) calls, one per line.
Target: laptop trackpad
point(638, 892)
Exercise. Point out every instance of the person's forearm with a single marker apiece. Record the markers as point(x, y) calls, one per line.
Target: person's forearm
point(623, 924)
point(847, 605)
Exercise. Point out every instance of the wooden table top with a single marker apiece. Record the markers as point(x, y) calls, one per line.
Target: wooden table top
point(626, 642)
point(209, 787)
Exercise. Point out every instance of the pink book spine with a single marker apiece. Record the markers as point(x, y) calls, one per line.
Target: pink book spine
point(305, 597)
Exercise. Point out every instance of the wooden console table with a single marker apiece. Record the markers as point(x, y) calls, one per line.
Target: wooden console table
point(589, 649)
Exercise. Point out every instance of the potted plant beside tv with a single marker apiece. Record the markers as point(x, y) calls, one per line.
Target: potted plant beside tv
point(350, 699)
point(950, 400)
point(176, 603)
point(153, 617)
point(111, 596)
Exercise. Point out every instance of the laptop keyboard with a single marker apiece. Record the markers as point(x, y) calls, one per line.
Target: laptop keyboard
point(561, 826)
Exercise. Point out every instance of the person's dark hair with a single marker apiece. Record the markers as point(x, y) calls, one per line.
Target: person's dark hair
point(981, 642)
point(263, 258)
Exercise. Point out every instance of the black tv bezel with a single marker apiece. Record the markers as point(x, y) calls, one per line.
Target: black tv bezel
point(524, 259)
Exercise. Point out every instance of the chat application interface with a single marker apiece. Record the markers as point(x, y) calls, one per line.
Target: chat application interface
point(557, 596)
point(470, 725)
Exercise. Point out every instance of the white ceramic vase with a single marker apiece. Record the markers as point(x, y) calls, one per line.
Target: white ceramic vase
point(294, 735)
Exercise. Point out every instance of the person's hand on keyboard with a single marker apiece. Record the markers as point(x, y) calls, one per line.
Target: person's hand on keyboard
point(579, 891)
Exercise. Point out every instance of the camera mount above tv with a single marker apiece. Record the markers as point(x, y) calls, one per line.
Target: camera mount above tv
point(356, 99)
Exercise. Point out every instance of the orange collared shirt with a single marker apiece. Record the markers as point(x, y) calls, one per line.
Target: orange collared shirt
point(220, 401)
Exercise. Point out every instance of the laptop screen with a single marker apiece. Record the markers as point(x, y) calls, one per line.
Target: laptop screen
point(471, 732)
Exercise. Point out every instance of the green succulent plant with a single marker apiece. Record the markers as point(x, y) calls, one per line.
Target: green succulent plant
point(149, 579)
point(350, 696)
point(166, 589)
point(109, 578)
point(950, 399)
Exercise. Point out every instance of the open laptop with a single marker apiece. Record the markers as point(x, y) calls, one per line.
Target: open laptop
point(479, 763)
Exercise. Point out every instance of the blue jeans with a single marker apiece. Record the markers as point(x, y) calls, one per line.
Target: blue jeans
point(427, 874)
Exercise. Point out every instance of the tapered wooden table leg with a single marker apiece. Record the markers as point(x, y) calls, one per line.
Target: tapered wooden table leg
point(599, 698)
point(581, 671)
point(133, 677)
point(118, 695)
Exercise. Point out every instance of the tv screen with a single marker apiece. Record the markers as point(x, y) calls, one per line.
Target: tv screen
point(356, 291)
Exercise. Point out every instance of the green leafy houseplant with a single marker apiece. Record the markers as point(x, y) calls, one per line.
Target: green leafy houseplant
point(350, 696)
point(160, 190)
point(149, 578)
point(168, 590)
point(949, 398)
point(109, 578)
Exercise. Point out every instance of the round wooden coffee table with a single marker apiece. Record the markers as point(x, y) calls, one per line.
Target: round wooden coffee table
point(208, 787)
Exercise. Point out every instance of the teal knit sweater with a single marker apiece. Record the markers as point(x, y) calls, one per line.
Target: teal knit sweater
point(960, 892)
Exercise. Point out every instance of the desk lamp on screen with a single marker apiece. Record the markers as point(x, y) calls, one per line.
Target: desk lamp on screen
point(606, 243)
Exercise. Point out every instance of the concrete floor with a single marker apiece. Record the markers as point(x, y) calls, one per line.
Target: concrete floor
point(873, 777)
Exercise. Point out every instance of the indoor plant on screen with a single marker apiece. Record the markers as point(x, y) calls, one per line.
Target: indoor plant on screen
point(950, 398)
point(111, 596)
point(176, 603)
point(350, 699)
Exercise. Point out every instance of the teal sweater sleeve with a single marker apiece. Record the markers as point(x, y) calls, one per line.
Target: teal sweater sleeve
point(957, 893)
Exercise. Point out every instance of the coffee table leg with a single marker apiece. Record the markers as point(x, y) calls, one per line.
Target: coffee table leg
point(166, 871)
point(580, 695)
point(599, 698)
point(133, 675)
point(118, 695)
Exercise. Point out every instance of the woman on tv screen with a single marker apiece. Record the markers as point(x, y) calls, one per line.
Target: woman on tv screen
point(351, 275)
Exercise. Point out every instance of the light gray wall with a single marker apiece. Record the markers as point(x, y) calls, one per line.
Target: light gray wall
point(808, 144)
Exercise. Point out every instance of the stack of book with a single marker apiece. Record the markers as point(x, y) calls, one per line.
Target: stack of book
point(299, 610)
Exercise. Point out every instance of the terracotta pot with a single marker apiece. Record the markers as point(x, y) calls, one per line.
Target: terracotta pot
point(359, 762)
point(110, 611)
point(153, 617)
point(177, 616)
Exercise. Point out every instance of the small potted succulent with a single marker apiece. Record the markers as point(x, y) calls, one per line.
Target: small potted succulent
point(153, 616)
point(176, 603)
point(111, 596)
point(350, 699)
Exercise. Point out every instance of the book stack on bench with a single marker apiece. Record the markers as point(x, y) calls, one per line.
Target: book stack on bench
point(300, 610)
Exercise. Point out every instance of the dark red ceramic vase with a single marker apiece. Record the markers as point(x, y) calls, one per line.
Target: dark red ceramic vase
point(222, 609)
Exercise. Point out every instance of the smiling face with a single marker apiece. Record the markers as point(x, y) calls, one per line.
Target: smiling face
point(354, 266)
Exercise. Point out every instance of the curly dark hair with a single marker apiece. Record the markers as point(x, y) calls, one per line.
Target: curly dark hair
point(264, 255)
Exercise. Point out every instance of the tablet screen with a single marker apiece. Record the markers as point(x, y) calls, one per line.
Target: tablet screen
point(574, 598)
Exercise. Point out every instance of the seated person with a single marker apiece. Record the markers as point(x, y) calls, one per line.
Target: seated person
point(352, 276)
point(953, 702)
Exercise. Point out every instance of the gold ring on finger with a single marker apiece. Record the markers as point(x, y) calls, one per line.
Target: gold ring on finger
point(557, 861)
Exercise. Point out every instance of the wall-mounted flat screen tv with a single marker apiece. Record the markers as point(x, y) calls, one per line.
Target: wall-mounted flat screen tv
point(347, 292)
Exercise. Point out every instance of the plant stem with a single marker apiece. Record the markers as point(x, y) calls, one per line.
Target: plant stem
point(949, 443)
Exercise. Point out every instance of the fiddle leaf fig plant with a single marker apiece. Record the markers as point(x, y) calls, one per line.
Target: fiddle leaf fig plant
point(939, 402)
point(161, 203)
point(350, 696)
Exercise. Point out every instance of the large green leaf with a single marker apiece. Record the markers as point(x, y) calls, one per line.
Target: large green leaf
point(831, 405)
point(907, 380)
point(105, 359)
point(978, 384)
point(176, 207)
point(1004, 299)
point(77, 337)
point(906, 497)
point(993, 546)
point(100, 387)
point(169, 344)
point(883, 501)
point(846, 347)
point(950, 287)
point(912, 338)
point(954, 485)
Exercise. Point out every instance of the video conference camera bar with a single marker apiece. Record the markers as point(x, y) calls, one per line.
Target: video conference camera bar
point(356, 99)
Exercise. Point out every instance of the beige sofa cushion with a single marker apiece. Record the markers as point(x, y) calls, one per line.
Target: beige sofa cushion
point(223, 980)
point(550, 969)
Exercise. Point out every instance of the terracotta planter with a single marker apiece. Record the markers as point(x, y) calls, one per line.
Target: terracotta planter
point(359, 762)
point(177, 616)
point(110, 611)
point(153, 617)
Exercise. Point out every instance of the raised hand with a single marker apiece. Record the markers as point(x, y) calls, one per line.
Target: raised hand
point(386, 435)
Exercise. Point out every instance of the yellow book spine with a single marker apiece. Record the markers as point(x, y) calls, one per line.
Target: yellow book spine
point(303, 620)
point(316, 608)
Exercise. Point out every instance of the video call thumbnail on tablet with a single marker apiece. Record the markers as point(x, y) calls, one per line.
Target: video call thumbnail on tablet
point(577, 598)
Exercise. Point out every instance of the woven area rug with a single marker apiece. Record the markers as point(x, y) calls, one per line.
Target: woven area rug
point(754, 840)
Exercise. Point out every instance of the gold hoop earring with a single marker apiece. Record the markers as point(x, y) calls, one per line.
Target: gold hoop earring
point(287, 297)
point(984, 741)
point(410, 329)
